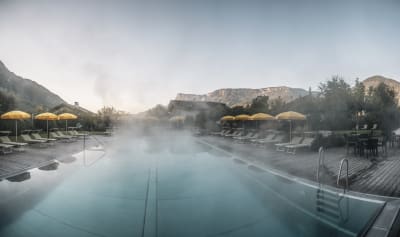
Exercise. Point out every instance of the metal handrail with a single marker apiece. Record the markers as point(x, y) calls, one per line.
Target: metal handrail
point(340, 172)
point(321, 158)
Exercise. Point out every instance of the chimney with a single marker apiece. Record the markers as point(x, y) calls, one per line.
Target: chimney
point(76, 104)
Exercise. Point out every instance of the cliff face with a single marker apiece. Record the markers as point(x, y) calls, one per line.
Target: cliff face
point(374, 81)
point(243, 96)
point(28, 94)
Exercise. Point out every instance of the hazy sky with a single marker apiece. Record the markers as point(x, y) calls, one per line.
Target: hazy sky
point(135, 54)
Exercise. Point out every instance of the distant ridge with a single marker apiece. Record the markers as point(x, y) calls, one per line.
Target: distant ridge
point(243, 96)
point(374, 81)
point(28, 94)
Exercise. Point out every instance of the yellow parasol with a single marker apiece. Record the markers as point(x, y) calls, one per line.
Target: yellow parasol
point(227, 118)
point(262, 116)
point(290, 116)
point(66, 117)
point(242, 117)
point(16, 115)
point(46, 116)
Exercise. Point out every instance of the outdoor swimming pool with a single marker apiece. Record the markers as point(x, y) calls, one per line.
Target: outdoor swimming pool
point(172, 187)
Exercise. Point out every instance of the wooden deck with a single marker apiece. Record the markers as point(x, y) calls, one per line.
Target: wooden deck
point(33, 156)
point(380, 176)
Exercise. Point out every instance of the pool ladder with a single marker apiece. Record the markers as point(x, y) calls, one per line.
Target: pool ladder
point(321, 158)
point(332, 206)
point(342, 162)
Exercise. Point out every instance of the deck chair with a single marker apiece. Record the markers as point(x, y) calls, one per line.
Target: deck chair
point(295, 141)
point(306, 143)
point(266, 138)
point(234, 134)
point(59, 133)
point(220, 132)
point(19, 146)
point(277, 138)
point(76, 133)
point(38, 137)
point(244, 136)
point(6, 149)
point(61, 138)
point(255, 135)
point(29, 140)
point(365, 127)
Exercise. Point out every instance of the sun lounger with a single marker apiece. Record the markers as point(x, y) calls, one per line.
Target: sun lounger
point(307, 142)
point(267, 137)
point(38, 137)
point(62, 138)
point(220, 132)
point(26, 138)
point(6, 149)
point(249, 134)
point(77, 134)
point(235, 134)
point(275, 139)
point(63, 135)
point(295, 141)
point(6, 140)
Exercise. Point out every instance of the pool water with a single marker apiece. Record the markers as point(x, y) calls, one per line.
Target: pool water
point(172, 187)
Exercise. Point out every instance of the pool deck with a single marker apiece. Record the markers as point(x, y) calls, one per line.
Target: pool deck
point(34, 156)
point(378, 176)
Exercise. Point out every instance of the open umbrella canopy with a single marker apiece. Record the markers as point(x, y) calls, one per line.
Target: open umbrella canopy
point(46, 116)
point(16, 114)
point(290, 115)
point(242, 117)
point(67, 116)
point(262, 116)
point(227, 118)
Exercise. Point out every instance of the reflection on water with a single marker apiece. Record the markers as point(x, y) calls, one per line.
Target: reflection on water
point(52, 166)
point(67, 160)
point(20, 177)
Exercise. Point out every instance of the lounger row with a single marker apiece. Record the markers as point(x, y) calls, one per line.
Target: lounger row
point(296, 143)
point(8, 146)
point(265, 139)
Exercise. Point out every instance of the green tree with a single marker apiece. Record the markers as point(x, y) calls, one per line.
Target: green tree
point(336, 104)
point(259, 105)
point(382, 108)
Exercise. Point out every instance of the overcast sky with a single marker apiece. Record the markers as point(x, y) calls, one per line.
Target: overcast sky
point(136, 54)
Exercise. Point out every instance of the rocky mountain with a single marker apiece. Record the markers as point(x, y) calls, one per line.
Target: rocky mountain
point(374, 81)
point(242, 96)
point(28, 94)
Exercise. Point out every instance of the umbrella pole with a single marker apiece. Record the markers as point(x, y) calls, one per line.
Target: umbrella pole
point(47, 125)
point(66, 125)
point(16, 130)
point(290, 131)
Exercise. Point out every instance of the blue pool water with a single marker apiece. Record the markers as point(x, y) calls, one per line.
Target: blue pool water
point(172, 187)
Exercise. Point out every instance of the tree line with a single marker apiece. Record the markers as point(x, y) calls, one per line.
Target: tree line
point(336, 106)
